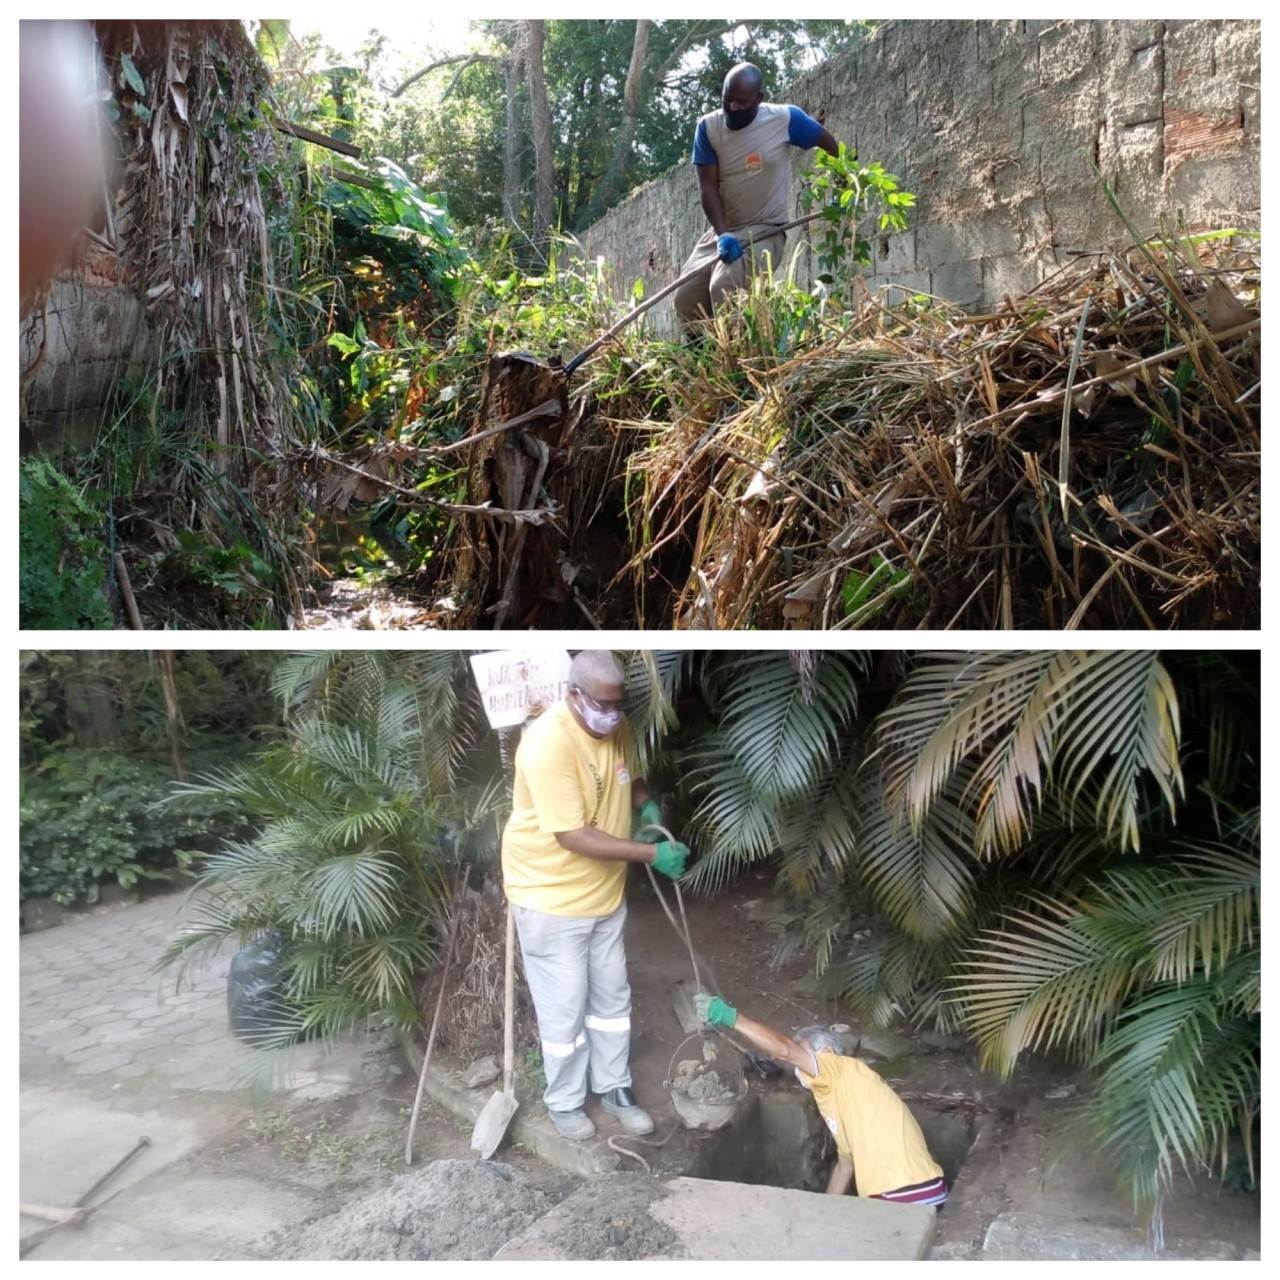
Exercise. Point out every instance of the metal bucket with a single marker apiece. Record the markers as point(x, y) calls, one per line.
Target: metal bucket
point(706, 1090)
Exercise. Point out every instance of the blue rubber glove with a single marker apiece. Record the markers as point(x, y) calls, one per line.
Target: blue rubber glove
point(728, 248)
point(650, 816)
point(670, 858)
point(714, 1010)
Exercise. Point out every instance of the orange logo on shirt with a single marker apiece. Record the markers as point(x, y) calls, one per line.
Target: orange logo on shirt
point(755, 162)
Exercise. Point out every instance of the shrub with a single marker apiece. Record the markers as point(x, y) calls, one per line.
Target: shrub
point(89, 817)
point(60, 551)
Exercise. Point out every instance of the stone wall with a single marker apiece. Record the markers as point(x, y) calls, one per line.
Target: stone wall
point(88, 333)
point(997, 127)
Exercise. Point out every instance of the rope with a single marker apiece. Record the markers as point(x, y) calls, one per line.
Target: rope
point(683, 935)
point(682, 929)
point(644, 1142)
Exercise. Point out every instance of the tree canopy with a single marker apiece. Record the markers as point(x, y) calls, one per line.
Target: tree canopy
point(622, 96)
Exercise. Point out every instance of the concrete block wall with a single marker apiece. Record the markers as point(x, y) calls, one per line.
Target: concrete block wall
point(997, 126)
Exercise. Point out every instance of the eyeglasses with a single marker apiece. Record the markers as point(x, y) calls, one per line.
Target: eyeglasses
point(619, 705)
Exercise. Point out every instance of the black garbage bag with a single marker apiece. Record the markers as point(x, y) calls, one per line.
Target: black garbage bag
point(256, 1007)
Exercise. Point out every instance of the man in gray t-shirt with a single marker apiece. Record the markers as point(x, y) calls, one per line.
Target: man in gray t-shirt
point(741, 155)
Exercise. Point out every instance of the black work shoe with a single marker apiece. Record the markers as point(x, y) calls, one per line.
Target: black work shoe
point(621, 1102)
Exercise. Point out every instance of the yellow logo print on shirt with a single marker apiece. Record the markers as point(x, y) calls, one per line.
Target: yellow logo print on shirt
point(755, 162)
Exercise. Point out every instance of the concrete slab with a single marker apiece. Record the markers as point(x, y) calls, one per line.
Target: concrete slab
point(227, 1213)
point(106, 1239)
point(66, 1145)
point(717, 1221)
point(1036, 1237)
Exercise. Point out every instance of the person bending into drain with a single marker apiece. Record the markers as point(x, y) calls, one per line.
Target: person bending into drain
point(878, 1142)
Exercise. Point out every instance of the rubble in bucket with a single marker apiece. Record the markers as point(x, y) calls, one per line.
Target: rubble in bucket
point(706, 1090)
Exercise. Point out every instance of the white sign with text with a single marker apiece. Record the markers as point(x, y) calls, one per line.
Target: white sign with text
point(516, 685)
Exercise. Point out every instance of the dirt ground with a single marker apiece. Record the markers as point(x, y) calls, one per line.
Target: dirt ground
point(348, 1154)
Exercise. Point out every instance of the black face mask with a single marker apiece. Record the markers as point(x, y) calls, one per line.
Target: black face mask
point(740, 119)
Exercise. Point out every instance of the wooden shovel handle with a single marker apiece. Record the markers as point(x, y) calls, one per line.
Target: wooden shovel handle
point(508, 1007)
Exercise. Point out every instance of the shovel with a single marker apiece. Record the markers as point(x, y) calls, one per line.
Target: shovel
point(491, 1124)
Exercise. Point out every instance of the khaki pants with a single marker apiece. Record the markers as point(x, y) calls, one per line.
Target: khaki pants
point(701, 296)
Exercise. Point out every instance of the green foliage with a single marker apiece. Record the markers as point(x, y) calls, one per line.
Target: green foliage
point(449, 128)
point(867, 594)
point(61, 554)
point(92, 817)
point(356, 842)
point(221, 699)
point(848, 193)
point(237, 577)
point(765, 774)
point(1063, 848)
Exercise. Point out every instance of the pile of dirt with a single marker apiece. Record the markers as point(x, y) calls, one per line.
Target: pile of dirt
point(451, 1210)
point(613, 1222)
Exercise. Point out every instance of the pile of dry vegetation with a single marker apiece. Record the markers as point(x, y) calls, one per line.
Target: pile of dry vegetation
point(1088, 456)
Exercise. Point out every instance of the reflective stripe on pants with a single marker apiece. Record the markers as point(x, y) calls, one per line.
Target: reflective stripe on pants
point(577, 974)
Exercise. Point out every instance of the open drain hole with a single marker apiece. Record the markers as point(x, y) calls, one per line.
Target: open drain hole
point(779, 1140)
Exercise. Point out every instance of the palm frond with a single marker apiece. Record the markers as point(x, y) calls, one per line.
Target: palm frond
point(732, 826)
point(923, 878)
point(818, 833)
point(1175, 1078)
point(1200, 909)
point(780, 737)
point(1043, 979)
point(1122, 717)
point(354, 893)
point(950, 706)
point(297, 674)
point(1021, 717)
point(654, 679)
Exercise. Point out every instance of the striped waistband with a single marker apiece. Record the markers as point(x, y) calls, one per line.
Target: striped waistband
point(932, 1192)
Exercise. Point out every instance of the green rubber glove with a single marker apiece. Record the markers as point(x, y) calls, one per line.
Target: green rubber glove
point(650, 816)
point(714, 1010)
point(670, 858)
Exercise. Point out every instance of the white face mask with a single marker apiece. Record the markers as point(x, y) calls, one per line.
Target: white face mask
point(806, 1082)
point(601, 723)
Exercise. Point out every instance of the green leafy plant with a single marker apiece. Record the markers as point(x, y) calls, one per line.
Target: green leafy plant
point(351, 858)
point(90, 817)
point(849, 192)
point(61, 554)
point(866, 594)
point(535, 1069)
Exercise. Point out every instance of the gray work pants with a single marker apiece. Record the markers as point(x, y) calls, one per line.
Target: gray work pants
point(577, 972)
point(699, 298)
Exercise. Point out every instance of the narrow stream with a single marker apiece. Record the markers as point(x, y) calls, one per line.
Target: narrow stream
point(356, 597)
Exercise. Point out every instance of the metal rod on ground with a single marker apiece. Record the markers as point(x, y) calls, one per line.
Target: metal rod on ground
point(142, 1145)
point(78, 1215)
point(636, 312)
point(435, 1017)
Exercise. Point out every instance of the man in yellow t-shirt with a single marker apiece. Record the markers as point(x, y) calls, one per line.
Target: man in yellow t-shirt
point(878, 1140)
point(565, 851)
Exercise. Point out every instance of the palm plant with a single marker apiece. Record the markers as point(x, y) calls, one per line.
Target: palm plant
point(1012, 818)
point(766, 769)
point(363, 816)
point(1027, 839)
